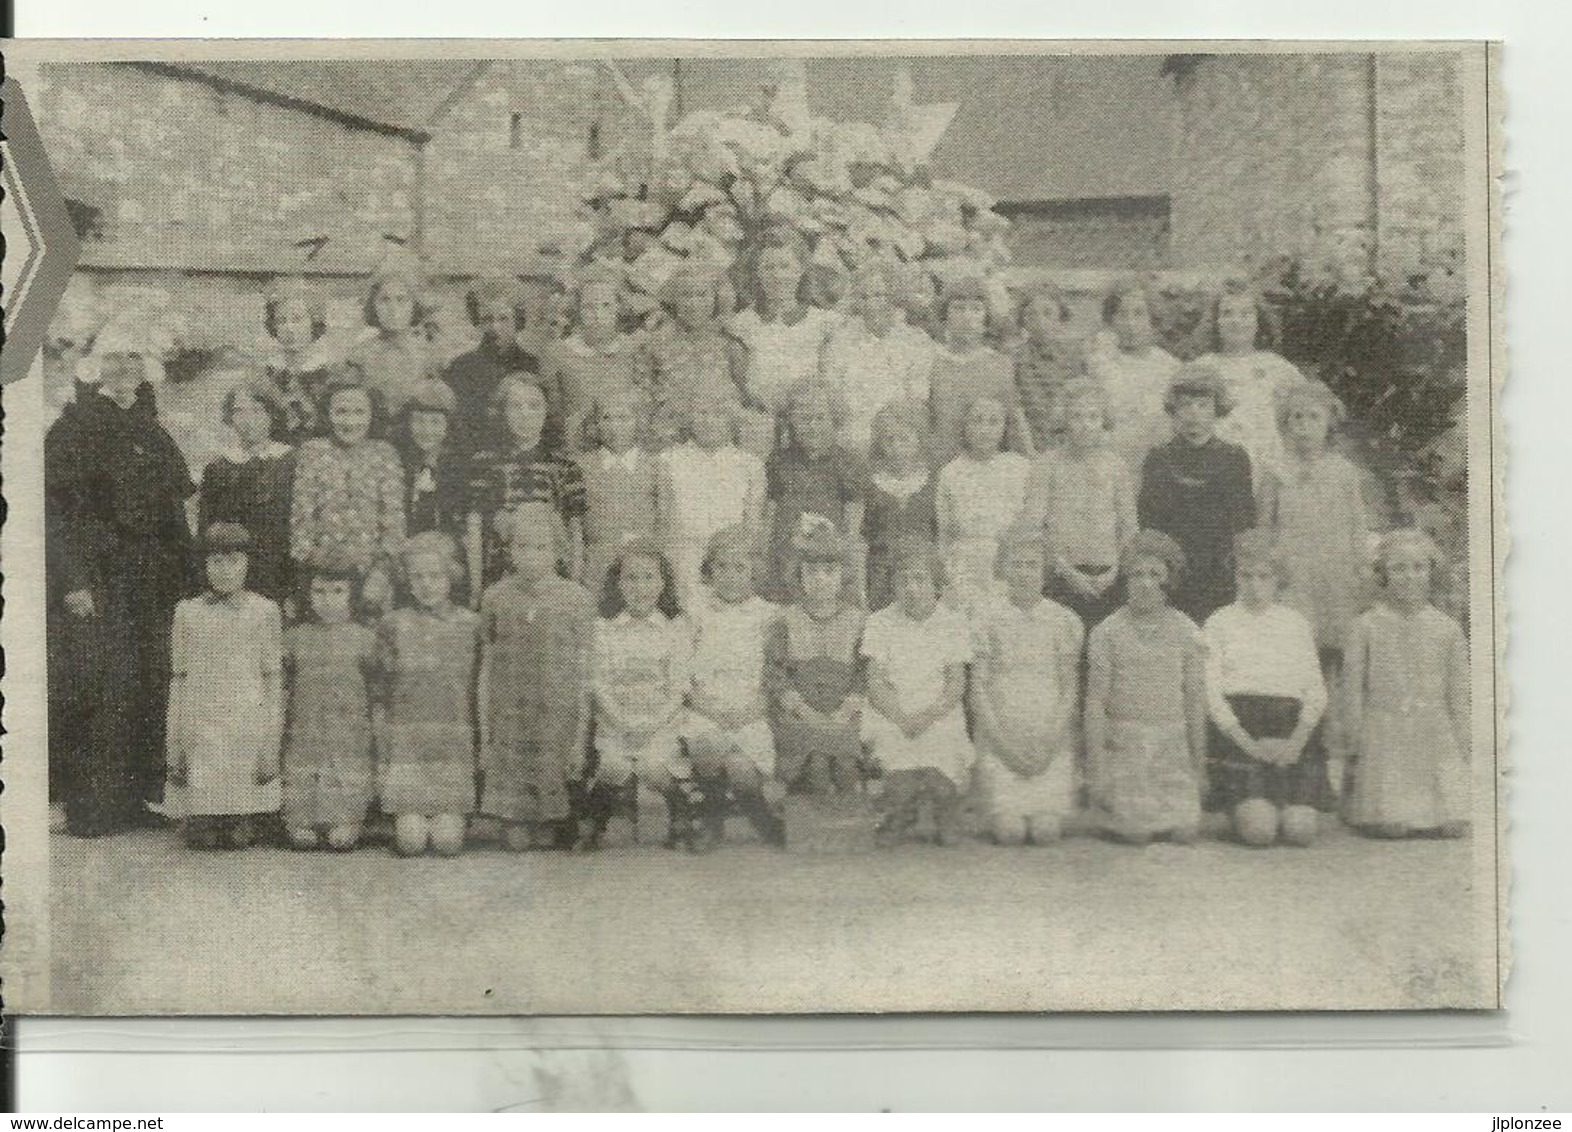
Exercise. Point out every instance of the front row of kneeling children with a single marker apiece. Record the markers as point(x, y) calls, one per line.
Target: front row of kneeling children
point(546, 716)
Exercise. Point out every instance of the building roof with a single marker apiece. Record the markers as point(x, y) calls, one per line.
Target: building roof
point(400, 99)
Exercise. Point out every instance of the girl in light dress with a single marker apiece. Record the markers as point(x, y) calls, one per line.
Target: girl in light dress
point(348, 495)
point(1407, 683)
point(1145, 716)
point(1082, 495)
point(917, 651)
point(706, 483)
point(226, 708)
point(425, 721)
point(1135, 371)
point(901, 494)
point(329, 672)
point(641, 675)
point(729, 739)
point(782, 341)
point(621, 486)
point(1313, 503)
point(874, 357)
point(1256, 379)
point(1024, 693)
point(968, 368)
point(980, 493)
point(1265, 698)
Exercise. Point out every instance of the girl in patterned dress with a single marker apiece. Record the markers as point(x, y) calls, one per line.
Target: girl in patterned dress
point(294, 321)
point(329, 669)
point(729, 738)
point(1048, 356)
point(621, 486)
point(522, 468)
point(707, 483)
point(1407, 681)
point(1145, 718)
point(348, 496)
point(535, 634)
point(425, 717)
point(980, 494)
point(901, 494)
point(688, 355)
point(1025, 684)
point(642, 658)
point(226, 707)
point(1083, 497)
point(814, 674)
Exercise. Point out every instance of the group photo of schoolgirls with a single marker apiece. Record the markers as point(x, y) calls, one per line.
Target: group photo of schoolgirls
point(996, 580)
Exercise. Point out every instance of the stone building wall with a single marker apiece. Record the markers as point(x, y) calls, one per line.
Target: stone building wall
point(504, 165)
point(178, 174)
point(1347, 157)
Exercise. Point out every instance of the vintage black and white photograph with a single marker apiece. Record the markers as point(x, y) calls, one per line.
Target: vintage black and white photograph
point(726, 528)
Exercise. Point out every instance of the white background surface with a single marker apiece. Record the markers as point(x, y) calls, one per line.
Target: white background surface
point(1528, 1069)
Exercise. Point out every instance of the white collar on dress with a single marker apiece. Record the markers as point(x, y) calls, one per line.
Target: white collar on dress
point(584, 350)
point(902, 487)
point(628, 461)
point(272, 451)
point(656, 618)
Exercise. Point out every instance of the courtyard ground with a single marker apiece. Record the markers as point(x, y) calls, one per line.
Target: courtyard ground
point(139, 925)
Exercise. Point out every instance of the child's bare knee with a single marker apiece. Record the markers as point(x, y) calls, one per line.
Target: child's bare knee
point(447, 834)
point(1044, 829)
point(411, 834)
point(1255, 821)
point(1299, 825)
point(343, 837)
point(1009, 830)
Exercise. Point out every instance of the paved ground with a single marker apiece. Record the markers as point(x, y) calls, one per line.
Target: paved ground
point(140, 925)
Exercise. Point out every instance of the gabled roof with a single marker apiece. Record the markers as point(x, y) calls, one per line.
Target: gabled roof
point(399, 98)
